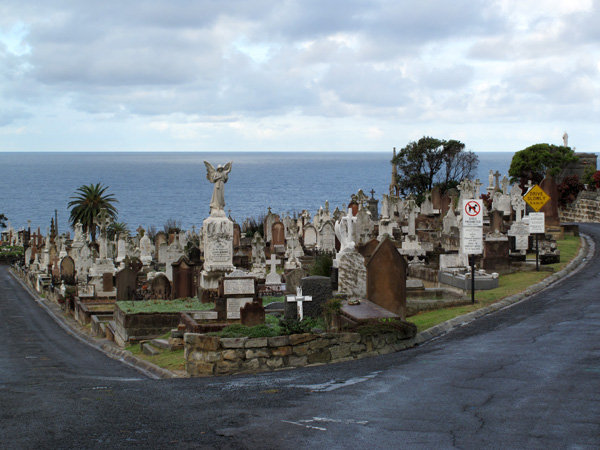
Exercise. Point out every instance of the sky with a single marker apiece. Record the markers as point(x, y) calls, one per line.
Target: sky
point(310, 75)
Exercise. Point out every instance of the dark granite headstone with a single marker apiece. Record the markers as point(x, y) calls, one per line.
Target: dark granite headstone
point(368, 249)
point(135, 264)
point(161, 288)
point(320, 289)
point(195, 255)
point(126, 284)
point(386, 278)
point(67, 270)
point(496, 255)
point(183, 278)
point(550, 209)
point(252, 314)
point(107, 282)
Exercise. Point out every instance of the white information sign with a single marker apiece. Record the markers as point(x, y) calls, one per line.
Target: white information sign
point(537, 222)
point(472, 213)
point(472, 240)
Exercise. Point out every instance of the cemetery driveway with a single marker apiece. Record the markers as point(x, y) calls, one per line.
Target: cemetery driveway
point(527, 376)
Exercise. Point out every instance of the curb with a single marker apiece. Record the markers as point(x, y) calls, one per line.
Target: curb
point(111, 350)
point(579, 262)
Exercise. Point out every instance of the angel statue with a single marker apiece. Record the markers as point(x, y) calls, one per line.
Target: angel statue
point(218, 177)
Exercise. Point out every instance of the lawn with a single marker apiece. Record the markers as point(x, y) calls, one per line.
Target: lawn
point(508, 285)
point(164, 306)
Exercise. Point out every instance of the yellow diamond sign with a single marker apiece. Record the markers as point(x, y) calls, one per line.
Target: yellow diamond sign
point(536, 198)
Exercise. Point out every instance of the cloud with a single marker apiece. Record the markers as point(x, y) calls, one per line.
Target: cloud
point(214, 70)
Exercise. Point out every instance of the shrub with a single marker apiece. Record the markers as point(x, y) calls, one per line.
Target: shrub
point(568, 190)
point(322, 265)
point(295, 326)
point(596, 179)
point(237, 330)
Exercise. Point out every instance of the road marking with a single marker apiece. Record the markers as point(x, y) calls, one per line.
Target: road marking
point(335, 384)
point(305, 426)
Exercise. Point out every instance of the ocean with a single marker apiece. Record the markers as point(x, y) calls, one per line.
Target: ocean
point(154, 187)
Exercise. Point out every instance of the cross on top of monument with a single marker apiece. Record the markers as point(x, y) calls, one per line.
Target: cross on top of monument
point(372, 192)
point(102, 219)
point(273, 261)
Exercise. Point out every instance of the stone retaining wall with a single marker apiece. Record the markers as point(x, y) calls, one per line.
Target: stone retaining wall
point(210, 355)
point(585, 209)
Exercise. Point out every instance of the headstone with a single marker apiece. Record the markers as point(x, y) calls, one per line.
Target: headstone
point(174, 253)
point(145, 250)
point(273, 278)
point(237, 235)
point(277, 235)
point(496, 255)
point(298, 300)
point(550, 209)
point(270, 219)
point(126, 281)
point(252, 314)
point(386, 278)
point(352, 274)
point(319, 288)
point(239, 289)
point(310, 236)
point(67, 270)
point(520, 231)
point(161, 287)
point(159, 239)
point(293, 278)
point(436, 198)
point(183, 278)
point(107, 282)
point(326, 237)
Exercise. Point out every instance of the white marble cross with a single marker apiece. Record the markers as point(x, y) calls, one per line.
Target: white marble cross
point(299, 299)
point(274, 261)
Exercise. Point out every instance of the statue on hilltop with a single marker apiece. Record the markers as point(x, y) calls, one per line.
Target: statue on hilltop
point(218, 177)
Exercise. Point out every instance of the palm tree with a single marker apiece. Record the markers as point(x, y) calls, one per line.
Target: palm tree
point(87, 203)
point(115, 229)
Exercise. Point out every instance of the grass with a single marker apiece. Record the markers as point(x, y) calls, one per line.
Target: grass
point(164, 306)
point(170, 360)
point(508, 285)
point(267, 300)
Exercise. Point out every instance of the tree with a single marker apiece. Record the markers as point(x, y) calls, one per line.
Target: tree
point(3, 220)
point(535, 162)
point(433, 162)
point(87, 203)
point(115, 229)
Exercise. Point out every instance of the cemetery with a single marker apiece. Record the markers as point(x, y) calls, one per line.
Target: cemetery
point(300, 290)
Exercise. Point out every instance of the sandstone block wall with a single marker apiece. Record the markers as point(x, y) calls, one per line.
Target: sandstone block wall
point(585, 209)
point(210, 355)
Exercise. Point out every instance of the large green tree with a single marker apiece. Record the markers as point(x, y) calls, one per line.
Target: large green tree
point(428, 162)
point(87, 203)
point(535, 162)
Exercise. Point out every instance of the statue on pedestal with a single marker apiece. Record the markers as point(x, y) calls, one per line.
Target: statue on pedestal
point(218, 177)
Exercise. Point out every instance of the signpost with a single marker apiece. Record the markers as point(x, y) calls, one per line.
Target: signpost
point(537, 226)
point(536, 198)
point(472, 234)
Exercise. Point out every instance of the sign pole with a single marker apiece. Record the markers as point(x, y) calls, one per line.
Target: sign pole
point(537, 253)
point(472, 261)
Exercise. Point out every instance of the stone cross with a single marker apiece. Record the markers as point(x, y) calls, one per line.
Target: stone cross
point(274, 261)
point(497, 176)
point(299, 299)
point(476, 187)
point(372, 192)
point(529, 186)
point(505, 185)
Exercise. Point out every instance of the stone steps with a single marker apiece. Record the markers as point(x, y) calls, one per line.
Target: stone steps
point(161, 343)
point(149, 349)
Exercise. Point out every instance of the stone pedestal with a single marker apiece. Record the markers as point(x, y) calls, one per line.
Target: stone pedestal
point(218, 251)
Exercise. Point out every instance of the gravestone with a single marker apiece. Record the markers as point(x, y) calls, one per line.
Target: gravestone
point(159, 239)
point(238, 290)
point(107, 282)
point(67, 270)
point(294, 305)
point(135, 264)
point(183, 278)
point(293, 278)
point(252, 314)
point(310, 236)
point(126, 281)
point(386, 278)
point(278, 237)
point(436, 198)
point(550, 209)
point(273, 278)
point(161, 288)
point(319, 288)
point(496, 222)
point(237, 235)
point(352, 274)
point(326, 237)
point(496, 255)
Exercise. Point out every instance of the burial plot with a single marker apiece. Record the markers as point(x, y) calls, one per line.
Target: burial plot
point(386, 278)
point(67, 270)
point(161, 287)
point(126, 281)
point(183, 278)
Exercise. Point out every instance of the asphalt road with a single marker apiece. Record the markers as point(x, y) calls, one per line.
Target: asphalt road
point(524, 377)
